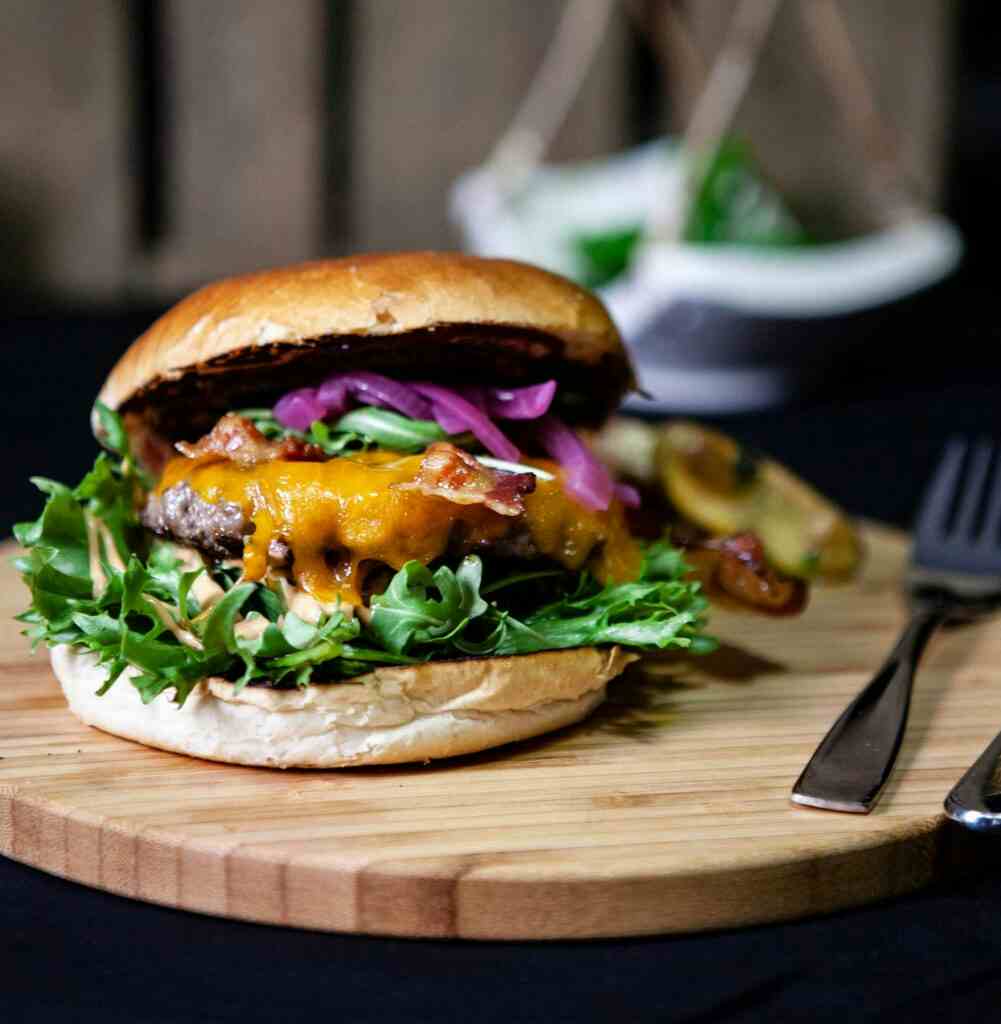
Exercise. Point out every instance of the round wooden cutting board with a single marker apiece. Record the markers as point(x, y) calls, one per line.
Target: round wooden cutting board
point(667, 810)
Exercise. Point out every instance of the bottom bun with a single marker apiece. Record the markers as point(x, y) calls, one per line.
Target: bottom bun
point(389, 716)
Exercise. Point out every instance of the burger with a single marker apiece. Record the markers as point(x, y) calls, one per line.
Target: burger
point(348, 513)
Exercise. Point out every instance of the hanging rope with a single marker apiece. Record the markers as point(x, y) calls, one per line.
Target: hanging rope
point(568, 59)
point(848, 83)
point(726, 86)
point(564, 67)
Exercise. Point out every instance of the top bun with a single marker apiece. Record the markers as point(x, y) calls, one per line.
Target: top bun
point(451, 317)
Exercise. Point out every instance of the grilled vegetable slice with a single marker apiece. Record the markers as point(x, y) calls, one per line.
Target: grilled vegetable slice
point(726, 489)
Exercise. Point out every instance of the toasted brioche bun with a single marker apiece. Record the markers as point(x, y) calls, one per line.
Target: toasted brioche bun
point(245, 339)
point(389, 716)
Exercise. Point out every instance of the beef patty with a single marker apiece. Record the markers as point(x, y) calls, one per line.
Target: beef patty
point(215, 528)
point(218, 529)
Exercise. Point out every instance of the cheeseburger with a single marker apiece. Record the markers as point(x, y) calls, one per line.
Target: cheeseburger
point(348, 513)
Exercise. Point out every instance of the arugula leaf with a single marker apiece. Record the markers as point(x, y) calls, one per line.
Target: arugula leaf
point(407, 616)
point(334, 442)
point(269, 644)
point(110, 499)
point(217, 633)
point(124, 626)
point(360, 428)
point(390, 429)
point(110, 431)
point(663, 562)
point(404, 612)
point(270, 603)
point(102, 630)
point(298, 633)
point(111, 435)
point(264, 420)
point(184, 600)
point(660, 610)
point(649, 616)
point(61, 529)
point(521, 577)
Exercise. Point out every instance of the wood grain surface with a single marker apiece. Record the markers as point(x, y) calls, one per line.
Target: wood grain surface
point(667, 810)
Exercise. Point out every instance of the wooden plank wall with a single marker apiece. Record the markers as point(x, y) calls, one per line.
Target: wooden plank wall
point(906, 49)
point(243, 185)
point(251, 165)
point(434, 86)
point(286, 131)
point(65, 189)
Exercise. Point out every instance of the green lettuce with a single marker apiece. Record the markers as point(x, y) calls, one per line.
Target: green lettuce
point(98, 581)
point(422, 613)
point(364, 427)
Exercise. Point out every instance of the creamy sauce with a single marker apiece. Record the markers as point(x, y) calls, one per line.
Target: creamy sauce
point(98, 579)
point(164, 613)
point(340, 514)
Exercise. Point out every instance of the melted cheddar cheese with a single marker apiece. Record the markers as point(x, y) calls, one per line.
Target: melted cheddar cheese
point(337, 515)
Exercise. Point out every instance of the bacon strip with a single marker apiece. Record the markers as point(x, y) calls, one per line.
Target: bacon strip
point(450, 473)
point(238, 440)
point(735, 567)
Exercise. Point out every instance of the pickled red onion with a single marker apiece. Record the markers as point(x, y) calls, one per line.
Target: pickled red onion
point(585, 478)
point(455, 414)
point(373, 389)
point(627, 494)
point(528, 403)
point(298, 409)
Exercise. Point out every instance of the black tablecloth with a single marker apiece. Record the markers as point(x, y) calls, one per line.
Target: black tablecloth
point(70, 953)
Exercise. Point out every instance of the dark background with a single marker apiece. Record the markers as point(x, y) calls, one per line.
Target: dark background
point(869, 438)
point(73, 954)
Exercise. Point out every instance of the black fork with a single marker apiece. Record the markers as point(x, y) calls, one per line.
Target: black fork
point(955, 574)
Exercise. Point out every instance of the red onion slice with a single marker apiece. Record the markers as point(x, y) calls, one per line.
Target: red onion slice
point(333, 393)
point(478, 397)
point(373, 389)
point(585, 478)
point(448, 421)
point(298, 409)
point(455, 414)
point(521, 403)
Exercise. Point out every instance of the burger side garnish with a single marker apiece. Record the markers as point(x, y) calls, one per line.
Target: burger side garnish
point(345, 514)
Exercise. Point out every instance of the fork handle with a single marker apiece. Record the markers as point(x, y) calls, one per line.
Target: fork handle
point(968, 802)
point(853, 762)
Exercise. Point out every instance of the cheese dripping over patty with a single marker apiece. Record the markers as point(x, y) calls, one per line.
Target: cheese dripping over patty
point(342, 516)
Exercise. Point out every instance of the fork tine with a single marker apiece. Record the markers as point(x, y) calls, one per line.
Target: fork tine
point(973, 489)
point(934, 516)
point(992, 515)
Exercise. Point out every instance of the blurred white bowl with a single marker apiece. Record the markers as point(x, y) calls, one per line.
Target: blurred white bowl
point(712, 327)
